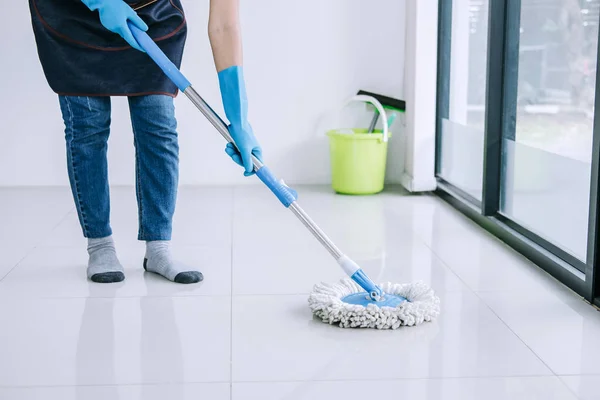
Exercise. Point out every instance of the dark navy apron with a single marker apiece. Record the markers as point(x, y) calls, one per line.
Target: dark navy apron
point(82, 58)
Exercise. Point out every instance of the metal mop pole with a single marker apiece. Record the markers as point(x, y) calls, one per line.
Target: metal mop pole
point(285, 194)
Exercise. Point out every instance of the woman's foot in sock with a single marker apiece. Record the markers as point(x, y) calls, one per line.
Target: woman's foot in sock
point(159, 260)
point(103, 264)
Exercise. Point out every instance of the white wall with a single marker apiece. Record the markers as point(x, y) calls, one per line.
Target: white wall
point(301, 58)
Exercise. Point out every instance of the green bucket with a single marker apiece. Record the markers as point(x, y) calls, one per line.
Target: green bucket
point(358, 158)
point(357, 161)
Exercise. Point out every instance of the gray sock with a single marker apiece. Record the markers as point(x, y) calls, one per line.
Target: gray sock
point(103, 265)
point(159, 260)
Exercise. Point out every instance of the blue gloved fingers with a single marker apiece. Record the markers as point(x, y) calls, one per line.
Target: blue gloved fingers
point(126, 32)
point(257, 151)
point(136, 20)
point(114, 15)
point(128, 36)
point(230, 149)
point(246, 153)
point(237, 158)
point(233, 153)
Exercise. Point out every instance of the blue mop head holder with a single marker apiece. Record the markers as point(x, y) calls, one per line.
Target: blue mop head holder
point(363, 299)
point(372, 294)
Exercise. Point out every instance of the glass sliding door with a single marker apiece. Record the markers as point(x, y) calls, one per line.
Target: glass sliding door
point(460, 156)
point(546, 162)
point(518, 135)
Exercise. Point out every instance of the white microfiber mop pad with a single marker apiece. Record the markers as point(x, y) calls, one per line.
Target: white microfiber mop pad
point(326, 303)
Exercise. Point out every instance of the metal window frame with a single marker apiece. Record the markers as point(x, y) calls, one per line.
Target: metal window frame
point(592, 271)
point(500, 123)
point(494, 105)
point(443, 67)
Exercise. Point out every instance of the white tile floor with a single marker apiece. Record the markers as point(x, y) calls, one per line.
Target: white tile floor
point(507, 330)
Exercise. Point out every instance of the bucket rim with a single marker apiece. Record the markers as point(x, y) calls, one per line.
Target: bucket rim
point(337, 133)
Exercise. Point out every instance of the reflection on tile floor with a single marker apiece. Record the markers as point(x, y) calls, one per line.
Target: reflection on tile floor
point(507, 330)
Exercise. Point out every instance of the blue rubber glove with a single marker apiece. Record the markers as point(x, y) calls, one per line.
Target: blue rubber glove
point(235, 102)
point(114, 15)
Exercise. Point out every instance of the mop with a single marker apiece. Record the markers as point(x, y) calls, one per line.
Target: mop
point(353, 302)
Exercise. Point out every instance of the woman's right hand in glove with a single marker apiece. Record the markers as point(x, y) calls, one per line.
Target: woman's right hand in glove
point(114, 15)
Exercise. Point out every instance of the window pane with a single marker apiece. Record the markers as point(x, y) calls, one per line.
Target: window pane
point(461, 155)
point(547, 164)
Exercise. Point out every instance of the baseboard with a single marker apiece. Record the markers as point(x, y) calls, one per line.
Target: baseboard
point(421, 185)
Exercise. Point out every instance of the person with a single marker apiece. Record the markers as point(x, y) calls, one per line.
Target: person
point(89, 54)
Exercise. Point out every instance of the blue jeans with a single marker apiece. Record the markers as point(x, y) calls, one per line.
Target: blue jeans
point(87, 127)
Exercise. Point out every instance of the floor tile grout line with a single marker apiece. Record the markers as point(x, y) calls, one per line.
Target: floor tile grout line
point(515, 333)
point(172, 295)
point(262, 381)
point(418, 236)
point(35, 246)
point(444, 263)
point(137, 296)
point(434, 378)
point(166, 383)
point(568, 387)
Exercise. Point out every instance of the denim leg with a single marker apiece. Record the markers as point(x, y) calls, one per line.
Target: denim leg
point(157, 164)
point(87, 127)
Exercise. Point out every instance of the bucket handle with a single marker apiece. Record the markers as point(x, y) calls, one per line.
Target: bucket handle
point(370, 99)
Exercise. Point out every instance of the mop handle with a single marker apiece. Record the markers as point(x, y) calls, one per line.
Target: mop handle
point(285, 194)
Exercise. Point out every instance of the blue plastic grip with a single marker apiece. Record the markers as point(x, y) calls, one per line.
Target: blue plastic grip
point(159, 57)
point(366, 283)
point(286, 195)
